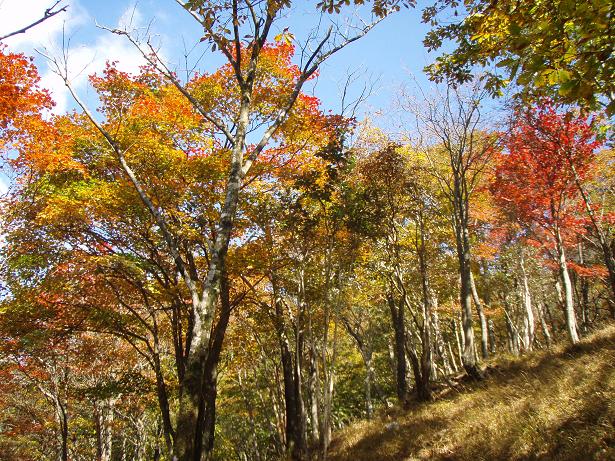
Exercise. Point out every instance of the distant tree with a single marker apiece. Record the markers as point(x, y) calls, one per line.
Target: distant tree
point(451, 135)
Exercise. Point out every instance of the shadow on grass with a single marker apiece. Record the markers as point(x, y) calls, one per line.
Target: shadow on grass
point(554, 405)
point(392, 443)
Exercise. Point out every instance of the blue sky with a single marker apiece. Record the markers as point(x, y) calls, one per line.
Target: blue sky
point(387, 55)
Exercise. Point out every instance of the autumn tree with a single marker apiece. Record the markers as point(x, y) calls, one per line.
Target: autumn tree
point(537, 182)
point(240, 31)
point(577, 137)
point(450, 132)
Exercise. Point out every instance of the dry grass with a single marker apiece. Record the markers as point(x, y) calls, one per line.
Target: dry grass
point(550, 405)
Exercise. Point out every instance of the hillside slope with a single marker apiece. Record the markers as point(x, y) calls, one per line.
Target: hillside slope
point(550, 405)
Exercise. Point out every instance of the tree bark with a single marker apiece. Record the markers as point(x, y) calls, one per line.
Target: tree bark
point(484, 337)
point(104, 433)
point(397, 318)
point(424, 385)
point(543, 324)
point(569, 315)
point(528, 321)
point(492, 340)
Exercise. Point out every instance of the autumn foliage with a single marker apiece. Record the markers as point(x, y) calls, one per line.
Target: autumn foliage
point(535, 180)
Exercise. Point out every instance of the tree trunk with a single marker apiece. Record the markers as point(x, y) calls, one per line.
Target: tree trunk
point(492, 341)
point(439, 341)
point(424, 386)
point(295, 447)
point(484, 337)
point(369, 378)
point(569, 315)
point(459, 341)
point(528, 321)
point(397, 318)
point(104, 433)
point(416, 369)
point(513, 334)
point(467, 356)
point(543, 324)
point(462, 238)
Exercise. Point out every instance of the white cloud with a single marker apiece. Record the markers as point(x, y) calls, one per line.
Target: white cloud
point(14, 14)
point(83, 60)
point(3, 186)
point(89, 59)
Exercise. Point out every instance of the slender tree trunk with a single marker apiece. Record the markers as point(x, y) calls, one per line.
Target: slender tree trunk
point(547, 310)
point(163, 400)
point(528, 321)
point(513, 334)
point(484, 337)
point(369, 378)
point(459, 341)
point(104, 432)
point(452, 356)
point(416, 367)
point(292, 393)
point(439, 340)
point(492, 340)
point(63, 434)
point(543, 324)
point(465, 291)
point(366, 351)
point(584, 295)
point(468, 357)
point(397, 317)
point(313, 393)
point(569, 315)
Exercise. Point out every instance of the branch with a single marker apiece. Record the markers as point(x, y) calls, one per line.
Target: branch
point(49, 13)
point(164, 70)
point(166, 233)
point(312, 64)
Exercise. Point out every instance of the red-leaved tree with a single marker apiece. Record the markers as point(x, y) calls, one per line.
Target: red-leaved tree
point(539, 182)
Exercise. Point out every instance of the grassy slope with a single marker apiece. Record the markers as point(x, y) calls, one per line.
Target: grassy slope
point(550, 405)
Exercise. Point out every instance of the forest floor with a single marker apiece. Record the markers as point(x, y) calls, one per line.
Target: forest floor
point(557, 404)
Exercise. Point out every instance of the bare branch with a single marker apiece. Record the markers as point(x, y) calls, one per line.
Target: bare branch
point(49, 13)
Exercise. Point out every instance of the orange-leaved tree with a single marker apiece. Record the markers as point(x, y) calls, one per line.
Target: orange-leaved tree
point(123, 229)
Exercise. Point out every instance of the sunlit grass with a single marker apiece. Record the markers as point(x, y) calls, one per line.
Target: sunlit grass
point(557, 404)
